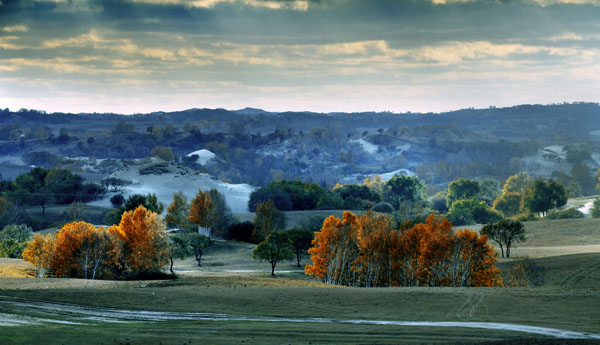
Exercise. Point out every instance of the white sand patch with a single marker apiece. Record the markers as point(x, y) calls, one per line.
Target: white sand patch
point(203, 156)
point(367, 146)
point(586, 209)
point(184, 179)
point(389, 175)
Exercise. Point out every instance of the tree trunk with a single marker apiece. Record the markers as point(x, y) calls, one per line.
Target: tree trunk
point(502, 250)
point(298, 257)
point(43, 209)
point(199, 257)
point(273, 268)
point(171, 268)
point(507, 252)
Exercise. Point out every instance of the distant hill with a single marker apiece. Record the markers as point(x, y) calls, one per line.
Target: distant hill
point(254, 146)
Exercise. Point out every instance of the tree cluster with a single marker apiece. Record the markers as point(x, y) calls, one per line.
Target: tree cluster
point(41, 187)
point(81, 250)
point(366, 251)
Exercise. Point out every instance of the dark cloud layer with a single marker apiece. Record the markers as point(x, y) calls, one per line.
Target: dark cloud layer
point(142, 55)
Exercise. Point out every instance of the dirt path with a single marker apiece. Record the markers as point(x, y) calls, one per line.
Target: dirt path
point(16, 310)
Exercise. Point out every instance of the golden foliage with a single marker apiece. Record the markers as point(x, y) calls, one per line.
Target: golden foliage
point(201, 206)
point(366, 251)
point(39, 252)
point(145, 245)
point(85, 251)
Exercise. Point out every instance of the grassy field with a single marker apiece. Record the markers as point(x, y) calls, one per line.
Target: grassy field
point(229, 282)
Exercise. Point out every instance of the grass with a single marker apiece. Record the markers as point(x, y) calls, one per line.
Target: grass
point(569, 299)
point(57, 213)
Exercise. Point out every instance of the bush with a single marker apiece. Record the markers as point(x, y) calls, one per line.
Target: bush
point(526, 217)
point(525, 272)
point(13, 239)
point(117, 200)
point(155, 169)
point(383, 207)
point(571, 213)
point(595, 211)
point(240, 232)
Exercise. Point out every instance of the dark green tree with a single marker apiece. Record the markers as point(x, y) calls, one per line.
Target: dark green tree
point(404, 189)
point(301, 241)
point(179, 248)
point(275, 248)
point(505, 232)
point(544, 195)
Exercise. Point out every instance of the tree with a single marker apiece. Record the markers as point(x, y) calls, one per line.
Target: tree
point(366, 251)
point(179, 248)
point(595, 211)
point(404, 189)
point(145, 246)
point(220, 217)
point(598, 185)
point(470, 211)
point(82, 250)
point(462, 189)
point(275, 248)
point(13, 239)
point(517, 183)
point(117, 200)
point(178, 213)
point(9, 213)
point(198, 243)
point(509, 204)
point(200, 210)
point(267, 220)
point(39, 252)
point(505, 232)
point(489, 190)
point(31, 189)
point(301, 241)
point(544, 195)
point(150, 202)
point(163, 153)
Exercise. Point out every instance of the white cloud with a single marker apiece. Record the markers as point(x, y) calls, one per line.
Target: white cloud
point(297, 5)
point(15, 28)
point(545, 3)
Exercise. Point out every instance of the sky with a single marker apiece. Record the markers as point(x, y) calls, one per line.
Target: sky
point(138, 56)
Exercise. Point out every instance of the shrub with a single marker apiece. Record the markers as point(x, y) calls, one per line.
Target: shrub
point(571, 213)
point(383, 207)
point(117, 200)
point(155, 169)
point(525, 272)
point(240, 232)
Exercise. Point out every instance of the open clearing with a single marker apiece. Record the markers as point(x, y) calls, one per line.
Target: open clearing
point(232, 299)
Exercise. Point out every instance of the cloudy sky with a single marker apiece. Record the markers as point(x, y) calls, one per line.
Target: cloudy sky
point(322, 55)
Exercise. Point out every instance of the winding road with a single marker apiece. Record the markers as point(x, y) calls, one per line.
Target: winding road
point(14, 312)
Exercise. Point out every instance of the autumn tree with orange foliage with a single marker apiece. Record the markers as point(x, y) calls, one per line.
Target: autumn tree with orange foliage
point(39, 252)
point(366, 251)
point(82, 250)
point(144, 238)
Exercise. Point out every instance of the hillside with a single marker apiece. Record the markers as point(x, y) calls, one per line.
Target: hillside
point(254, 146)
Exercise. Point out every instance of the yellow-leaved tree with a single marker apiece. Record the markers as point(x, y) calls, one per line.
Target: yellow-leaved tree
point(39, 252)
point(144, 238)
